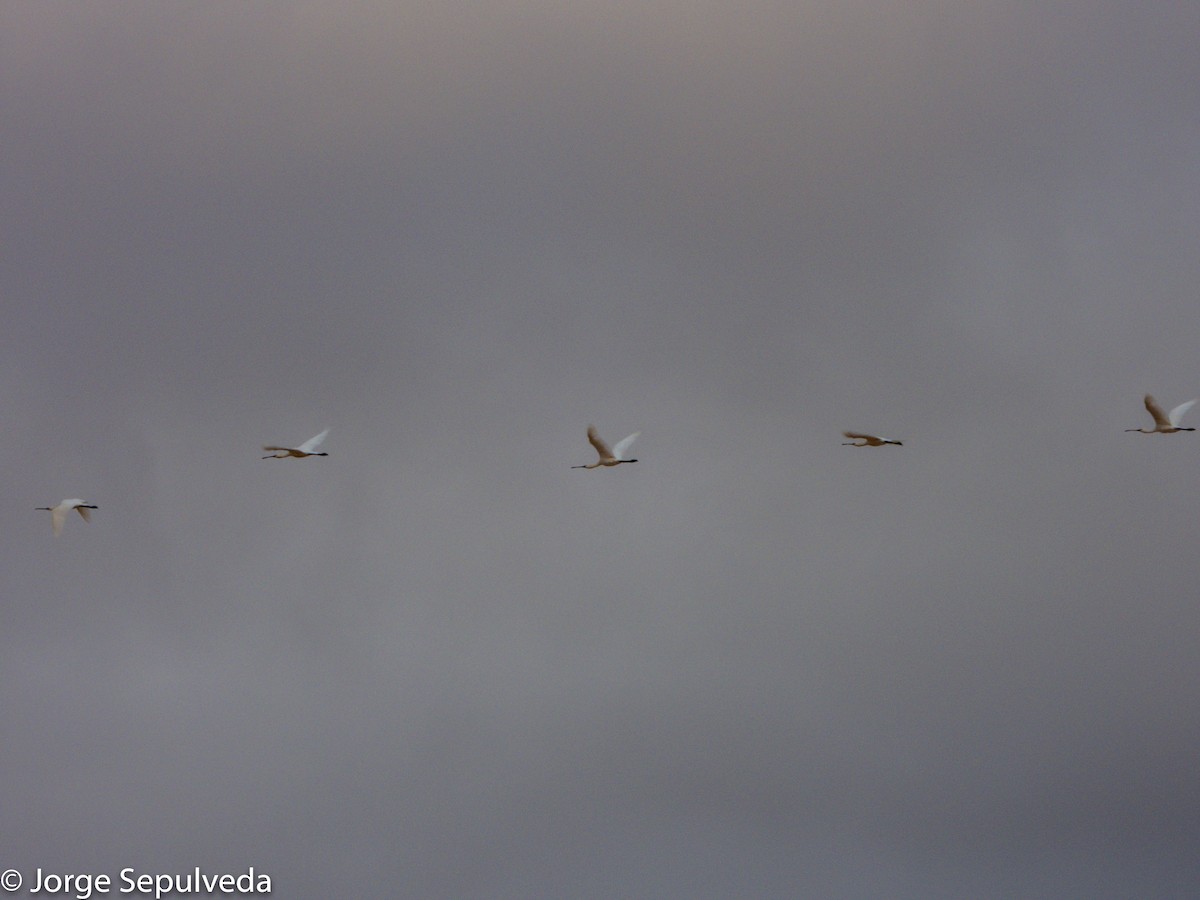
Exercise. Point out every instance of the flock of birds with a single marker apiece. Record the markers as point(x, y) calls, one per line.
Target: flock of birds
point(1164, 423)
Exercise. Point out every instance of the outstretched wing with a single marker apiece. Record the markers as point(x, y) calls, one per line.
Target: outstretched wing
point(623, 445)
point(601, 447)
point(1160, 418)
point(856, 436)
point(57, 516)
point(85, 512)
point(283, 449)
point(1177, 412)
point(312, 443)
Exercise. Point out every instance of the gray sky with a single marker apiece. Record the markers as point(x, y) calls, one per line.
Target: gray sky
point(439, 662)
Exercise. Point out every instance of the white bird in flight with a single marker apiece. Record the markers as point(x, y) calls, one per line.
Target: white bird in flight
point(58, 514)
point(867, 440)
point(1164, 423)
point(613, 457)
point(305, 449)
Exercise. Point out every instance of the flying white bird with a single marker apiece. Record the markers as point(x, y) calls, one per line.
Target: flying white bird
point(1163, 423)
point(58, 514)
point(305, 449)
point(868, 440)
point(613, 457)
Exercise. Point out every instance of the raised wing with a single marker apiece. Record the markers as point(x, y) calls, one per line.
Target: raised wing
point(623, 445)
point(601, 447)
point(1160, 418)
point(312, 443)
point(1177, 412)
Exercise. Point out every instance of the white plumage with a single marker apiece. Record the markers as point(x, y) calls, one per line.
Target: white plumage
point(613, 457)
point(305, 449)
point(1164, 423)
point(58, 514)
point(858, 439)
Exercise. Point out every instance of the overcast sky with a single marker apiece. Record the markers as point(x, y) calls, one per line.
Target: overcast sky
point(440, 663)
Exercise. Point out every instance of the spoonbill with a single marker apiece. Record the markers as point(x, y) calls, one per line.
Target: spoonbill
point(868, 440)
point(608, 457)
point(58, 514)
point(305, 449)
point(1164, 423)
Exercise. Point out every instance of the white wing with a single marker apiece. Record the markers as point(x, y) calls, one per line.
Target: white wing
point(601, 447)
point(623, 445)
point(1155, 410)
point(312, 443)
point(858, 436)
point(85, 512)
point(57, 515)
point(1177, 412)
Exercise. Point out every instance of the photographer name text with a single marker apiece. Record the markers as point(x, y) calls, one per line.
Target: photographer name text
point(83, 886)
